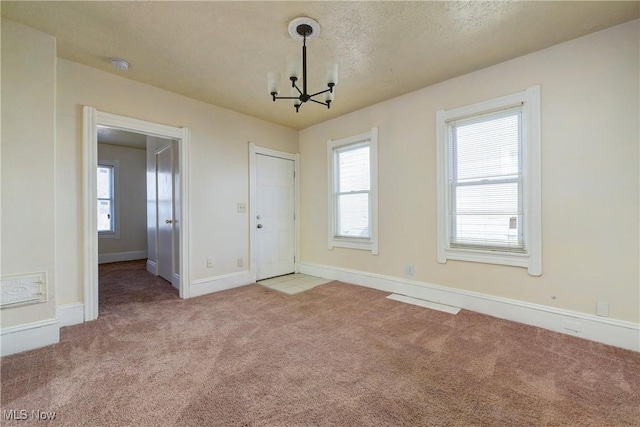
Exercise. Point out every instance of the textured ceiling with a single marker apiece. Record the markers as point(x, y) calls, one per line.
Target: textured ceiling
point(221, 52)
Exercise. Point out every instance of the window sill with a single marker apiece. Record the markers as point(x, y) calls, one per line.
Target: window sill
point(108, 235)
point(492, 257)
point(361, 244)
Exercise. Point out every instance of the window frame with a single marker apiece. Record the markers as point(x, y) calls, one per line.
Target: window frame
point(115, 166)
point(531, 257)
point(369, 139)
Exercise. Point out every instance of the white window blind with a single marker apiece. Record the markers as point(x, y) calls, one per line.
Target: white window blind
point(489, 186)
point(486, 181)
point(353, 185)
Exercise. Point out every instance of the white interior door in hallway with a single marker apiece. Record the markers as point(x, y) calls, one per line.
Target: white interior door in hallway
point(275, 216)
point(165, 214)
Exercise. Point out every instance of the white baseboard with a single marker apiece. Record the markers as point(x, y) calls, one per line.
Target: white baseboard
point(614, 332)
point(175, 281)
point(16, 339)
point(219, 283)
point(121, 256)
point(152, 267)
point(71, 314)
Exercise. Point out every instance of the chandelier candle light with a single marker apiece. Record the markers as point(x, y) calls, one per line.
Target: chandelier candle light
point(303, 29)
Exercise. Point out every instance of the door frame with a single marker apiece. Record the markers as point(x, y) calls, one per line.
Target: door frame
point(92, 118)
point(257, 150)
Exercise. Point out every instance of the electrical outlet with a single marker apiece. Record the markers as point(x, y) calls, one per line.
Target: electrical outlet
point(240, 262)
point(242, 208)
point(209, 263)
point(408, 269)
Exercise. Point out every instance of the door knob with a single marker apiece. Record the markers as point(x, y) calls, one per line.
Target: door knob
point(259, 225)
point(169, 221)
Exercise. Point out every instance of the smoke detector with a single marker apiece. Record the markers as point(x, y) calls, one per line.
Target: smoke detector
point(119, 64)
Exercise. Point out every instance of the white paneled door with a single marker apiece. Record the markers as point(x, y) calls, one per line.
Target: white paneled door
point(275, 211)
point(164, 177)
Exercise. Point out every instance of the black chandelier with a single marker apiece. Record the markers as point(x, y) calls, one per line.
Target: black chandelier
point(303, 29)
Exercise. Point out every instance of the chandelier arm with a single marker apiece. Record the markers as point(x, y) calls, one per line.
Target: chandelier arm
point(320, 93)
point(297, 88)
point(287, 97)
point(318, 102)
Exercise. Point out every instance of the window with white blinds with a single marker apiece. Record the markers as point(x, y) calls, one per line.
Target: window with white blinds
point(486, 181)
point(353, 185)
point(489, 182)
point(352, 196)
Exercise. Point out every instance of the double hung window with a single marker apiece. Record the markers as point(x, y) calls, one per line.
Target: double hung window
point(107, 201)
point(489, 182)
point(353, 191)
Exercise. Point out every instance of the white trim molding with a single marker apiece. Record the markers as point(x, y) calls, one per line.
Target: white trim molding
point(175, 280)
point(30, 336)
point(16, 339)
point(152, 267)
point(71, 314)
point(89, 220)
point(613, 332)
point(220, 283)
point(121, 256)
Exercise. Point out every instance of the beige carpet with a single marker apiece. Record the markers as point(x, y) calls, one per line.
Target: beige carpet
point(337, 354)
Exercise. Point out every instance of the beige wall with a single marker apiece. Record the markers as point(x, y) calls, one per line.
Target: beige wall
point(218, 172)
point(132, 199)
point(590, 183)
point(28, 176)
